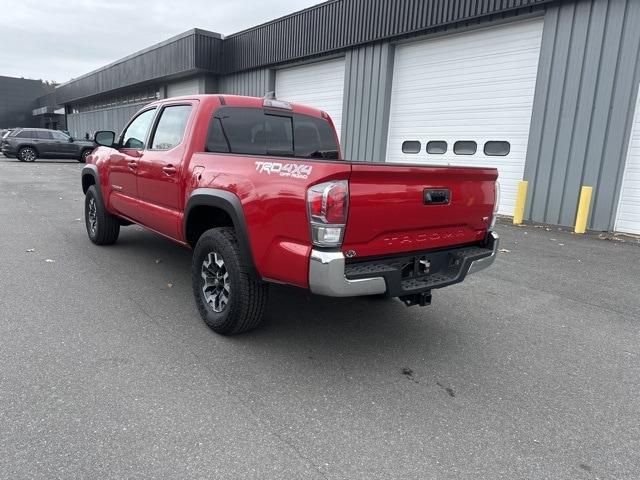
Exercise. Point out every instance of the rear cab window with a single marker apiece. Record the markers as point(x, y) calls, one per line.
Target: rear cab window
point(254, 131)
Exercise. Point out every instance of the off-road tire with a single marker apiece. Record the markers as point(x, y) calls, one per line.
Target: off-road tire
point(248, 295)
point(27, 154)
point(107, 226)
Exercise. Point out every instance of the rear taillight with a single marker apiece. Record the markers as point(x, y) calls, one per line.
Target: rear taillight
point(328, 205)
point(495, 204)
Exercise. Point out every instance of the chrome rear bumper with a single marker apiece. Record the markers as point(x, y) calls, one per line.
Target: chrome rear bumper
point(327, 274)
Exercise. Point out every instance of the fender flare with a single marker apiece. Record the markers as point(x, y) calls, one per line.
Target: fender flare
point(91, 170)
point(231, 205)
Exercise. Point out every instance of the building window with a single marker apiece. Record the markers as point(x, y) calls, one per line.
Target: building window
point(139, 97)
point(437, 147)
point(497, 148)
point(411, 146)
point(465, 147)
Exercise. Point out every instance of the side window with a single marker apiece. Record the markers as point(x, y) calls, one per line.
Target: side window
point(411, 146)
point(465, 147)
point(496, 148)
point(26, 134)
point(437, 147)
point(136, 133)
point(59, 136)
point(171, 127)
point(42, 135)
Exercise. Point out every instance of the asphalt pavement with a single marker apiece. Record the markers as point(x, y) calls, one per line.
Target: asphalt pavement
point(528, 370)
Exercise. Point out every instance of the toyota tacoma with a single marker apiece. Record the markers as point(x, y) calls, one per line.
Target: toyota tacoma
point(258, 189)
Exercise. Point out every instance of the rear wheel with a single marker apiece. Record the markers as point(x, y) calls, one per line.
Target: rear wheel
point(102, 227)
point(228, 295)
point(27, 154)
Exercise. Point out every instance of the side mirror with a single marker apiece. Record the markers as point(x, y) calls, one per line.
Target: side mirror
point(106, 138)
point(71, 140)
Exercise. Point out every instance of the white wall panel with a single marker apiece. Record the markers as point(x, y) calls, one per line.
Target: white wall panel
point(628, 216)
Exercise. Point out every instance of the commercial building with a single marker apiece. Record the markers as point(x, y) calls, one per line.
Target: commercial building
point(544, 90)
point(29, 103)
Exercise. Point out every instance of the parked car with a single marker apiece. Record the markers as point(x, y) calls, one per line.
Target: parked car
point(5, 131)
point(28, 144)
point(259, 190)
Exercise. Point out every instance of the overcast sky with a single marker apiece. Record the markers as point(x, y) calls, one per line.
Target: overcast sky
point(59, 40)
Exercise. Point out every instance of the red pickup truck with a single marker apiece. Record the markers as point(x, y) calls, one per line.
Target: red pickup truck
point(259, 190)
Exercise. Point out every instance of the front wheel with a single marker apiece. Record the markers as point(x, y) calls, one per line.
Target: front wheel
point(84, 155)
point(102, 227)
point(229, 297)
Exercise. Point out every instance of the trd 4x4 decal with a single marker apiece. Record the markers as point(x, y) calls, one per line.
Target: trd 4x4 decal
point(292, 170)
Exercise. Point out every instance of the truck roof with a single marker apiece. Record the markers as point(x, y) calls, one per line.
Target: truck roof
point(243, 101)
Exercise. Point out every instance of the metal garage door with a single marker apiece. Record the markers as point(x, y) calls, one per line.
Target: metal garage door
point(473, 87)
point(190, 86)
point(628, 217)
point(319, 85)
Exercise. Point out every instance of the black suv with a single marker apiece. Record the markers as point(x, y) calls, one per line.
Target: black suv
point(27, 144)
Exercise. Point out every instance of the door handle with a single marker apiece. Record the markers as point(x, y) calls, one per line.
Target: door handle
point(169, 169)
point(133, 165)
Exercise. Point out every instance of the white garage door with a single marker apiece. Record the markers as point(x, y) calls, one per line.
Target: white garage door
point(319, 85)
point(473, 87)
point(628, 217)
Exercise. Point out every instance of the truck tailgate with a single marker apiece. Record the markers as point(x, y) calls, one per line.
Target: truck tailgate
point(403, 208)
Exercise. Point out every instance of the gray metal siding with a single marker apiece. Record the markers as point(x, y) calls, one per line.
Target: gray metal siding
point(254, 83)
point(340, 24)
point(177, 56)
point(365, 112)
point(317, 31)
point(587, 81)
point(18, 97)
point(108, 119)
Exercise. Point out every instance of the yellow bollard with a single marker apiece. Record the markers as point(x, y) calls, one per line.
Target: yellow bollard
point(518, 214)
point(583, 209)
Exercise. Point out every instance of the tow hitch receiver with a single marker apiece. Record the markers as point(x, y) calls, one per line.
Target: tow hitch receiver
point(423, 299)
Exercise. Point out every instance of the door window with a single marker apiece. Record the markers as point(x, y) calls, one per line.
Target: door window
point(43, 135)
point(59, 136)
point(171, 127)
point(135, 134)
